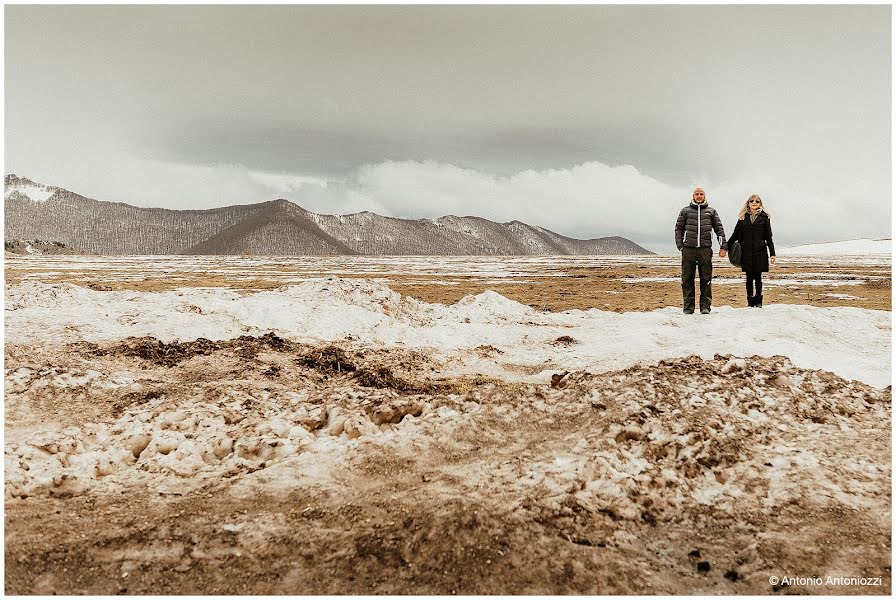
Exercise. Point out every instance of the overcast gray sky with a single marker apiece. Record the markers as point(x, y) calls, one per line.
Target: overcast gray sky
point(588, 120)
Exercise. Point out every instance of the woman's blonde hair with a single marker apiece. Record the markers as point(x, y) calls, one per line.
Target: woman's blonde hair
point(746, 208)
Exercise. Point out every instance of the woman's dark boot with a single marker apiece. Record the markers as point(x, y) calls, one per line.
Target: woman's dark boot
point(751, 301)
point(758, 301)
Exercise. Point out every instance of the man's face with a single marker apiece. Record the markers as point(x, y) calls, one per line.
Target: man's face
point(699, 196)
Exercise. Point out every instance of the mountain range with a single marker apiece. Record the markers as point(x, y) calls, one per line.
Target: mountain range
point(35, 211)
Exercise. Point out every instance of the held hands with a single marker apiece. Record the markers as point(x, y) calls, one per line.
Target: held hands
point(723, 253)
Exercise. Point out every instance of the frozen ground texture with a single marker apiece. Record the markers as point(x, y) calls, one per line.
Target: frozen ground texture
point(855, 343)
point(334, 437)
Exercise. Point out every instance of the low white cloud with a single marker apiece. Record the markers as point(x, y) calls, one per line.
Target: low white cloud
point(586, 200)
point(594, 199)
point(801, 215)
point(286, 182)
point(174, 185)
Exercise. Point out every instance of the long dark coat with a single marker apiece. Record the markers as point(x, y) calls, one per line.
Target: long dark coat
point(754, 237)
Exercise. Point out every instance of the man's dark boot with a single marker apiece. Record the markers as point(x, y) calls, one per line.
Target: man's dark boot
point(704, 311)
point(751, 301)
point(758, 302)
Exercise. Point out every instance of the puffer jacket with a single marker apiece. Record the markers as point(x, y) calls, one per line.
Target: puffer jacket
point(695, 225)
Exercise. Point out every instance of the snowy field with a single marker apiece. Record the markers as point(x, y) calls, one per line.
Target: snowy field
point(858, 248)
point(555, 284)
point(854, 343)
point(330, 435)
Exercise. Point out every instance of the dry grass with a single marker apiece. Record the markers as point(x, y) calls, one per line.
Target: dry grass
point(551, 289)
point(603, 289)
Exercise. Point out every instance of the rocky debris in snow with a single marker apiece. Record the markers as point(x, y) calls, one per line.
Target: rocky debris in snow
point(557, 379)
point(487, 351)
point(330, 359)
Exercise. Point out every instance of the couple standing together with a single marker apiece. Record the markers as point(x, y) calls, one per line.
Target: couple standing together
point(693, 237)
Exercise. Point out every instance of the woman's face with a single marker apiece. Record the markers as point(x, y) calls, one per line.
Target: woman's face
point(755, 204)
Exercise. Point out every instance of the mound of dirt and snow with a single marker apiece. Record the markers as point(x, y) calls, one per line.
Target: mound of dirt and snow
point(852, 342)
point(294, 468)
point(336, 437)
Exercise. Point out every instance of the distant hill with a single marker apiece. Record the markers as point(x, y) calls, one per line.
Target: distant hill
point(36, 247)
point(859, 247)
point(279, 227)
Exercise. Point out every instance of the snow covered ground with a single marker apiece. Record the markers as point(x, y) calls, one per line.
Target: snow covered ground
point(859, 247)
point(332, 436)
point(852, 342)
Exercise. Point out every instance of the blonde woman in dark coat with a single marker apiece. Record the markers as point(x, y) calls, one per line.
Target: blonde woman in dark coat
point(754, 232)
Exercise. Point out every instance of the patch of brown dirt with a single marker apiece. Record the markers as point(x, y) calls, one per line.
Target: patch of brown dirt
point(367, 368)
point(170, 354)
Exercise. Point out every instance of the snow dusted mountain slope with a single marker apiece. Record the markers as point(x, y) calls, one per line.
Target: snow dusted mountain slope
point(859, 247)
point(279, 227)
point(370, 233)
point(23, 189)
point(98, 227)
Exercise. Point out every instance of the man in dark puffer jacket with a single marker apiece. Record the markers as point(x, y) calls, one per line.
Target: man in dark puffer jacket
point(693, 237)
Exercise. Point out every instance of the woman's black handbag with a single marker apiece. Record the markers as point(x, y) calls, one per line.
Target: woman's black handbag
point(734, 252)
